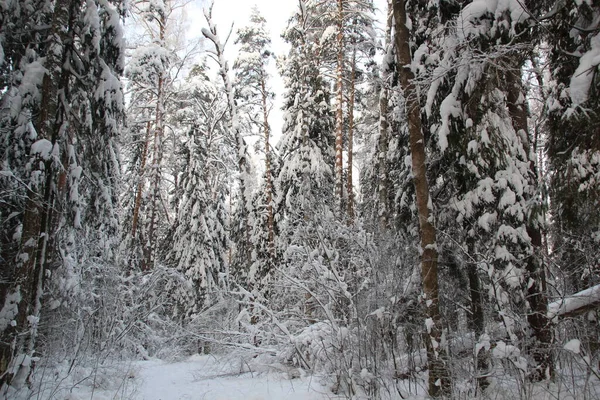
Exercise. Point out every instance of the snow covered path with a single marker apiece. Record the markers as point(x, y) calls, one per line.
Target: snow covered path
point(196, 379)
point(202, 378)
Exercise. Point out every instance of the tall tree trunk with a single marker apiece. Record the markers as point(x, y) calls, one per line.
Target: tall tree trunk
point(339, 115)
point(536, 276)
point(23, 300)
point(349, 183)
point(439, 377)
point(140, 185)
point(155, 201)
point(383, 139)
point(268, 172)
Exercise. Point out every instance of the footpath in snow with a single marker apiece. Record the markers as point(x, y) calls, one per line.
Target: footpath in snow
point(201, 378)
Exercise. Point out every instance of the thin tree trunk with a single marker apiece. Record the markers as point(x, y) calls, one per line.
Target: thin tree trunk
point(339, 115)
point(536, 282)
point(477, 318)
point(268, 172)
point(349, 183)
point(382, 142)
point(149, 245)
point(140, 185)
point(439, 377)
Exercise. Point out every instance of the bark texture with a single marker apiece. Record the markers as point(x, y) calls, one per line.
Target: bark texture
point(268, 172)
point(439, 377)
point(384, 125)
point(149, 245)
point(349, 183)
point(339, 114)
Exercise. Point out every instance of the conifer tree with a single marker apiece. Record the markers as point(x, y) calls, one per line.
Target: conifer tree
point(148, 74)
point(494, 187)
point(242, 225)
point(199, 243)
point(305, 149)
point(64, 112)
point(573, 143)
point(254, 98)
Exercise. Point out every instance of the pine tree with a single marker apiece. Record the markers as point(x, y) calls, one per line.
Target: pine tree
point(439, 379)
point(153, 72)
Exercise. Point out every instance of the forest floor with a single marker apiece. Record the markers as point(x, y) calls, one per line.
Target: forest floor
point(197, 378)
point(236, 377)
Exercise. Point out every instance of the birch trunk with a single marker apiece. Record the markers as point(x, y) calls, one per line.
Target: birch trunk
point(149, 245)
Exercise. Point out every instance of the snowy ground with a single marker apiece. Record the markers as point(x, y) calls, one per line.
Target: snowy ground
point(198, 378)
point(235, 378)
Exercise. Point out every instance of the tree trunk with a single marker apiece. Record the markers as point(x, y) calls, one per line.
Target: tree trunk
point(149, 245)
point(349, 183)
point(268, 172)
point(477, 318)
point(382, 142)
point(339, 115)
point(439, 377)
point(536, 292)
point(140, 185)
point(24, 297)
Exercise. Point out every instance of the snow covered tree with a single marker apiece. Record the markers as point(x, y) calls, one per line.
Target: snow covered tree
point(494, 188)
point(345, 42)
point(305, 175)
point(153, 72)
point(304, 183)
point(254, 98)
point(59, 113)
point(199, 241)
point(374, 176)
point(573, 143)
point(197, 246)
point(242, 226)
